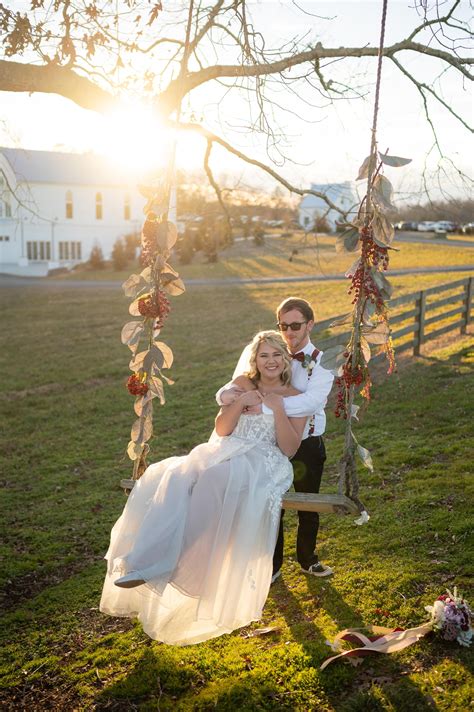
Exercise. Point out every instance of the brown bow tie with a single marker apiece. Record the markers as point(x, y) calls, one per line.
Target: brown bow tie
point(299, 356)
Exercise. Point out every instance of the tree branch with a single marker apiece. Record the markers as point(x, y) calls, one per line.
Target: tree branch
point(213, 138)
point(54, 79)
point(178, 88)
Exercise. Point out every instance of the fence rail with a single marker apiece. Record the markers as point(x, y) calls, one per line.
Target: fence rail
point(415, 320)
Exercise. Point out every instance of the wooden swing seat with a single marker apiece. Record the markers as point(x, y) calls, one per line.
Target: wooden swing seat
point(303, 501)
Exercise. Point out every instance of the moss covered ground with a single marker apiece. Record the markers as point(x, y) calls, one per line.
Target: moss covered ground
point(65, 424)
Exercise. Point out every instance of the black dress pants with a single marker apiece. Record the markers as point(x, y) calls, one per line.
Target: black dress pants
point(311, 454)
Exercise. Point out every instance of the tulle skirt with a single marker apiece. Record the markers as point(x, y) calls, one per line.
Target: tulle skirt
point(200, 531)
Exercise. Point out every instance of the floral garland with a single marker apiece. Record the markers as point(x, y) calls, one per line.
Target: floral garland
point(370, 234)
point(451, 617)
point(149, 291)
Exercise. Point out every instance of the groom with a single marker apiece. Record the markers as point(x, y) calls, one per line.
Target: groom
point(295, 320)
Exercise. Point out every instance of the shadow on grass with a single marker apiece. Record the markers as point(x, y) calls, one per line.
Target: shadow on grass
point(364, 689)
point(160, 681)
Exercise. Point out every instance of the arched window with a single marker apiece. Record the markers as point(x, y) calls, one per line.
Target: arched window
point(69, 204)
point(127, 213)
point(5, 205)
point(98, 206)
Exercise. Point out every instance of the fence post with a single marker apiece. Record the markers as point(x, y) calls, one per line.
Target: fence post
point(468, 297)
point(419, 333)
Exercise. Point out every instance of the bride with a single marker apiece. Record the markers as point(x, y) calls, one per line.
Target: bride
point(191, 554)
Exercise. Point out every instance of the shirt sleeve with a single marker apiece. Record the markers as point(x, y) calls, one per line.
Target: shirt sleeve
point(228, 386)
point(314, 399)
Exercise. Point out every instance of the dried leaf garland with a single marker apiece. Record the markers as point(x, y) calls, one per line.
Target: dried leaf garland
point(148, 292)
point(371, 235)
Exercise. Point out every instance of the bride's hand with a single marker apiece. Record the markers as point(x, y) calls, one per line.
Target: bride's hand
point(273, 401)
point(251, 398)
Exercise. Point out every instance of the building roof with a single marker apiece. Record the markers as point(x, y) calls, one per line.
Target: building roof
point(334, 191)
point(66, 168)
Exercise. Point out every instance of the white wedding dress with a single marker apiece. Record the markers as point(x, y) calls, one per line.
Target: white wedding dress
point(201, 530)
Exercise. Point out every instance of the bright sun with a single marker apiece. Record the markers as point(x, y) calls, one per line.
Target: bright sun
point(135, 139)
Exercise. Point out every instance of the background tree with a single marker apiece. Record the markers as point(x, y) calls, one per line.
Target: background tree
point(96, 258)
point(96, 54)
point(119, 255)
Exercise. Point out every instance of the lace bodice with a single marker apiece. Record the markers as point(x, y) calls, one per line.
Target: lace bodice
point(260, 428)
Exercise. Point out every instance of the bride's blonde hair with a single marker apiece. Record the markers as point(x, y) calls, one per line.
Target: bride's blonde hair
point(275, 340)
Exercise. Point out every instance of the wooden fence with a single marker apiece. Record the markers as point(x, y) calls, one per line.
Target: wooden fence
point(422, 310)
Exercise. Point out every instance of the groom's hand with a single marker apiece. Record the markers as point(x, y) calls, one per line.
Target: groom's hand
point(252, 401)
point(230, 395)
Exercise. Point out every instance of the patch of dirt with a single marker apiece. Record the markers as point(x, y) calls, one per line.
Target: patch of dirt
point(27, 586)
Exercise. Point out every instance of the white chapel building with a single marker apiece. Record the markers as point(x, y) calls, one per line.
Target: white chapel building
point(54, 207)
point(343, 195)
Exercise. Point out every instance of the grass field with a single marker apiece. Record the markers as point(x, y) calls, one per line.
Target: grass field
point(66, 418)
point(315, 256)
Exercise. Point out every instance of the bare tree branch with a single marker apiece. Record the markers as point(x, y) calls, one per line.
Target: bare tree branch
point(213, 138)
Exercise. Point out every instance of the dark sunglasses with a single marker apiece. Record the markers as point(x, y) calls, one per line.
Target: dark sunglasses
point(294, 326)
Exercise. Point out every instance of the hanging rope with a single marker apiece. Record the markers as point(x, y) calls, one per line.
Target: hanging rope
point(349, 483)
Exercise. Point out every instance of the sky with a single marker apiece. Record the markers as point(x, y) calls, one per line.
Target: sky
point(328, 145)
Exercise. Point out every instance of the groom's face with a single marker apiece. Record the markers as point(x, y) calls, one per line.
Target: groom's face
point(295, 338)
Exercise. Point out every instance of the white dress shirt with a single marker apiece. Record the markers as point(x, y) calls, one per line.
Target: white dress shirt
point(311, 401)
point(314, 393)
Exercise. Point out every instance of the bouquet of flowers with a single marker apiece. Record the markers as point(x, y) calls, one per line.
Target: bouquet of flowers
point(452, 618)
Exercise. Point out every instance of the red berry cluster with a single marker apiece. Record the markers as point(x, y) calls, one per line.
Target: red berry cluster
point(155, 306)
point(149, 240)
point(362, 282)
point(136, 386)
point(340, 408)
point(372, 253)
point(351, 375)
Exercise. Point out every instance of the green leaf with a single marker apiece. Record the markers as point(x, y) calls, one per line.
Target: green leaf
point(382, 192)
point(131, 334)
point(377, 334)
point(167, 235)
point(394, 161)
point(348, 241)
point(333, 359)
point(131, 286)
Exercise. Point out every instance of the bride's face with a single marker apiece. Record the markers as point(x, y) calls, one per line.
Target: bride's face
point(269, 360)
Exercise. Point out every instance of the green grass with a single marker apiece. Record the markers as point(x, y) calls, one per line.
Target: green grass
point(66, 420)
point(315, 256)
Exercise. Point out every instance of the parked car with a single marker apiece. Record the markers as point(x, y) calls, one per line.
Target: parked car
point(426, 226)
point(446, 226)
point(468, 229)
point(408, 226)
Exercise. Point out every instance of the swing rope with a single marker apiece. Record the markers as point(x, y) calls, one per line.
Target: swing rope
point(348, 482)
